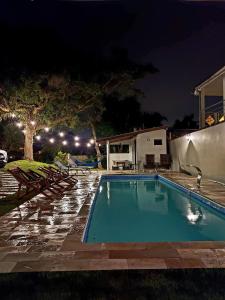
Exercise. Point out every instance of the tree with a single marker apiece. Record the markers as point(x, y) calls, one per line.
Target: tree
point(124, 114)
point(45, 100)
point(154, 119)
point(188, 122)
point(114, 73)
point(11, 137)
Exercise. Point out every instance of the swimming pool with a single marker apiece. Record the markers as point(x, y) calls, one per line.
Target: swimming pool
point(151, 209)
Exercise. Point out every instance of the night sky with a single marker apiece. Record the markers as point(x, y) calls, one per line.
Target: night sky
point(185, 40)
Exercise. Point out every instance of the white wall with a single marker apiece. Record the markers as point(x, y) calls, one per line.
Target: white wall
point(122, 156)
point(145, 145)
point(204, 148)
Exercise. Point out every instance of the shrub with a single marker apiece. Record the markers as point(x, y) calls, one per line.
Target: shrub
point(62, 157)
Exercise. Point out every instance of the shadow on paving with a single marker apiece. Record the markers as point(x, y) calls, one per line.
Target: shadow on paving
point(133, 284)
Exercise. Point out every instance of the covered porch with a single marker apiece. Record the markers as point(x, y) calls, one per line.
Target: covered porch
point(214, 86)
point(121, 154)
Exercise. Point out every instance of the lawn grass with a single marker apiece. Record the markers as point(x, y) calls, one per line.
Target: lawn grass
point(26, 165)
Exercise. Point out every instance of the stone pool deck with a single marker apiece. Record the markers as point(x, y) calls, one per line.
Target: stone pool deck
point(45, 235)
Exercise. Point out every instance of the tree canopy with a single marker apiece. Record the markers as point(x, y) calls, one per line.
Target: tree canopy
point(187, 122)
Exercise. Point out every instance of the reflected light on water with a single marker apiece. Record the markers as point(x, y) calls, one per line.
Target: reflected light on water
point(194, 216)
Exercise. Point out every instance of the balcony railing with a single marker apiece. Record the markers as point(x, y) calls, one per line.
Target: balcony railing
point(215, 111)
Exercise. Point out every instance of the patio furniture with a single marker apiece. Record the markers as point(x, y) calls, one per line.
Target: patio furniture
point(31, 184)
point(122, 165)
point(93, 164)
point(56, 187)
point(73, 166)
point(150, 161)
point(58, 176)
point(70, 167)
point(165, 161)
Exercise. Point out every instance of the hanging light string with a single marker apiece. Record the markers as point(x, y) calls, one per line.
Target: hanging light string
point(85, 142)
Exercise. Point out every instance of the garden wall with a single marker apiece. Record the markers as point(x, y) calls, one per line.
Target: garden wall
point(204, 148)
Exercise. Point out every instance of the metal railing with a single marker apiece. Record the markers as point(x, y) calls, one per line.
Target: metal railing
point(216, 111)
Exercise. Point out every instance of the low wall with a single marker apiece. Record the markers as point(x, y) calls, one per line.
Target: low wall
point(204, 148)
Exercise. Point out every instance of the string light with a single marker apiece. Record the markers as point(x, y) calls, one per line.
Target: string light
point(92, 141)
point(88, 145)
point(99, 145)
point(61, 134)
point(38, 137)
point(19, 124)
point(76, 138)
point(13, 115)
point(64, 142)
point(32, 123)
point(46, 129)
point(24, 131)
point(51, 140)
point(77, 144)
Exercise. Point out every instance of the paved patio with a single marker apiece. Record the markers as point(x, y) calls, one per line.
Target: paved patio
point(8, 184)
point(45, 235)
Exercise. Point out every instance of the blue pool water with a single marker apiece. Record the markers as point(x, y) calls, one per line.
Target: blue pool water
point(150, 210)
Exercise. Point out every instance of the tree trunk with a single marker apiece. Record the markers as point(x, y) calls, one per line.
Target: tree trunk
point(28, 144)
point(97, 149)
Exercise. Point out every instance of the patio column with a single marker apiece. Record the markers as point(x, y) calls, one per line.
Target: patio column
point(224, 95)
point(202, 109)
point(107, 155)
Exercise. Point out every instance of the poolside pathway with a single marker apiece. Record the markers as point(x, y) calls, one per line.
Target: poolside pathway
point(210, 189)
point(8, 185)
point(45, 235)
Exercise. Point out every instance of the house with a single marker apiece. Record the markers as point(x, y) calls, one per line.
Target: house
point(214, 86)
point(137, 149)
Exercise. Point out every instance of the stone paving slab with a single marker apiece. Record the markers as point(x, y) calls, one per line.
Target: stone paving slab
point(8, 184)
point(45, 235)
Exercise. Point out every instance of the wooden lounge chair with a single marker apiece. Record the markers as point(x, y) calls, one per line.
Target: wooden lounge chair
point(150, 161)
point(58, 176)
point(63, 173)
point(31, 184)
point(52, 182)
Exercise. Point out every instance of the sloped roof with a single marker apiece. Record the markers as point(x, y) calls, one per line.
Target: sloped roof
point(128, 135)
point(217, 75)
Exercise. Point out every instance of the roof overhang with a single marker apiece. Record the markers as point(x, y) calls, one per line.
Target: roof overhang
point(213, 86)
point(128, 136)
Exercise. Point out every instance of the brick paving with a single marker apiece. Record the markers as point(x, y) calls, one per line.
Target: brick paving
point(45, 235)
